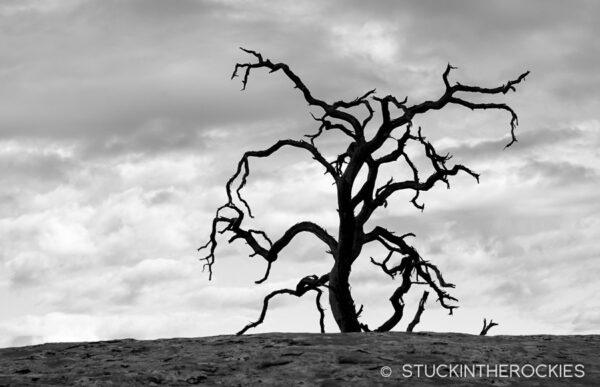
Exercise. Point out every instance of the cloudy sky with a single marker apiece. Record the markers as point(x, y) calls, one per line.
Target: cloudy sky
point(119, 126)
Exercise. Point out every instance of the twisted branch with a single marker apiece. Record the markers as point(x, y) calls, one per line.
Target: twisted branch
point(411, 263)
point(306, 284)
point(409, 112)
point(331, 110)
point(270, 253)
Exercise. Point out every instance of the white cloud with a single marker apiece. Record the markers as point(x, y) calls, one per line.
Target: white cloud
point(376, 42)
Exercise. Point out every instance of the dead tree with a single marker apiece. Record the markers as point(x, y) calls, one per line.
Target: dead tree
point(487, 327)
point(356, 205)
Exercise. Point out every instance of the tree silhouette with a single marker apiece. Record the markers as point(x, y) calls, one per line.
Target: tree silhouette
point(357, 204)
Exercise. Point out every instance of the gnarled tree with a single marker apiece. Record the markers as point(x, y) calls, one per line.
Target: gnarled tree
point(356, 205)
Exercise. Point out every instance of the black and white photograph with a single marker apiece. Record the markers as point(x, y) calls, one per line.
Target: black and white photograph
point(299, 192)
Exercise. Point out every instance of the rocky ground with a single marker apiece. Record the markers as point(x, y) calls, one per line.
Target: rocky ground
point(301, 359)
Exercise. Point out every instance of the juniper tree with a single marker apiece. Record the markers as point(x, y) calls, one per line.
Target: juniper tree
point(357, 199)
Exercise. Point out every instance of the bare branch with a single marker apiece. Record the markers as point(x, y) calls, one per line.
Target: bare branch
point(399, 151)
point(442, 295)
point(438, 273)
point(309, 227)
point(514, 120)
point(413, 262)
point(243, 165)
point(360, 310)
point(398, 269)
point(385, 237)
point(416, 180)
point(369, 116)
point(448, 97)
point(445, 75)
point(383, 265)
point(331, 110)
point(420, 310)
point(381, 194)
point(487, 327)
point(320, 309)
point(270, 254)
point(267, 272)
point(263, 312)
point(385, 106)
point(397, 301)
point(233, 224)
point(306, 284)
point(328, 125)
point(366, 191)
point(386, 191)
point(508, 86)
point(406, 267)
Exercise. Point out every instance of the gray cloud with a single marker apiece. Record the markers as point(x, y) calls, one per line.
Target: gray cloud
point(535, 139)
point(563, 173)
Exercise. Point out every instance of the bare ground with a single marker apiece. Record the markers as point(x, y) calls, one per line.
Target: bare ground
point(302, 359)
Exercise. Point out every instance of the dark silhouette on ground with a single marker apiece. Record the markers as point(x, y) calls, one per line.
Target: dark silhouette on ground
point(299, 359)
point(368, 149)
point(487, 327)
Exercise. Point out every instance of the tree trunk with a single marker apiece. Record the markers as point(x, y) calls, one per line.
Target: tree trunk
point(340, 299)
point(349, 247)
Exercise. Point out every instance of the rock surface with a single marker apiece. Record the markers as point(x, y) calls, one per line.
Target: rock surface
point(302, 359)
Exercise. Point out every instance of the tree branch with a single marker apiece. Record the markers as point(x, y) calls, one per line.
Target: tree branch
point(398, 269)
point(366, 191)
point(243, 165)
point(413, 262)
point(332, 110)
point(320, 309)
point(508, 86)
point(514, 120)
point(232, 224)
point(328, 125)
point(309, 227)
point(383, 265)
point(440, 175)
point(306, 284)
point(385, 106)
point(374, 198)
point(399, 151)
point(442, 295)
point(397, 301)
point(409, 112)
point(487, 327)
point(420, 310)
point(270, 254)
point(438, 274)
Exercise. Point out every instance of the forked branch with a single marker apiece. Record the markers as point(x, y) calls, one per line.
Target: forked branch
point(448, 97)
point(333, 110)
point(243, 169)
point(487, 327)
point(271, 252)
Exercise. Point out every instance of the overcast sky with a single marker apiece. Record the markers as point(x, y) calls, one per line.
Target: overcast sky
point(119, 126)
